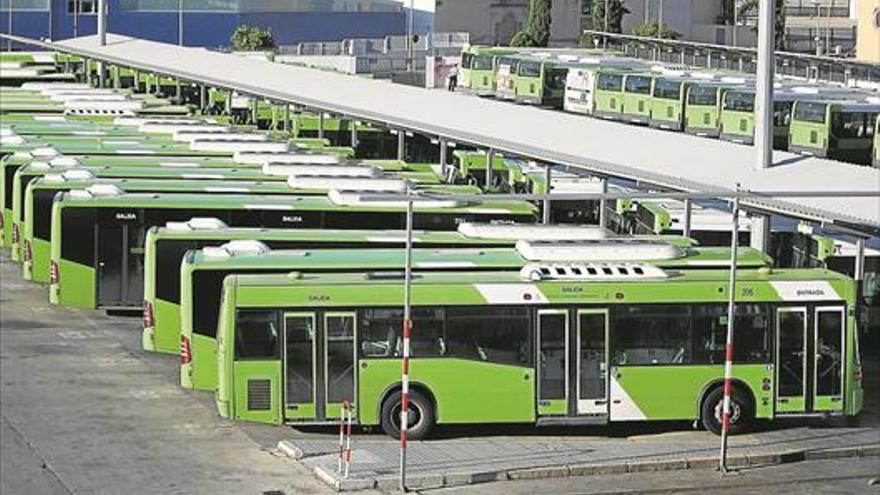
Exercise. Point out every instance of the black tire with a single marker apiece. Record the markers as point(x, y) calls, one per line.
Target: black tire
point(421, 415)
point(740, 411)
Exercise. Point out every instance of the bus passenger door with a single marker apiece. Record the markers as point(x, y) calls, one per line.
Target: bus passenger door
point(552, 362)
point(338, 362)
point(829, 355)
point(300, 366)
point(111, 247)
point(592, 361)
point(791, 360)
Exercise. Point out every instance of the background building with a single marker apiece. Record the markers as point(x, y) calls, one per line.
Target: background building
point(209, 22)
point(868, 41)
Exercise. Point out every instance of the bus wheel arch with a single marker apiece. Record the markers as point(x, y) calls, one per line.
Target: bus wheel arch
point(423, 408)
point(743, 406)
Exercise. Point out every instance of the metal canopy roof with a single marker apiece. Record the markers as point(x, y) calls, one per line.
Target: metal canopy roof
point(673, 160)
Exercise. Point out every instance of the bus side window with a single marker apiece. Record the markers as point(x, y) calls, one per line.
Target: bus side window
point(381, 333)
point(256, 335)
point(492, 334)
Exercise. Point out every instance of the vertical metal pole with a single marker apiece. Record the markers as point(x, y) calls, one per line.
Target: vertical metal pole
point(178, 92)
point(605, 39)
point(254, 103)
point(603, 206)
point(401, 144)
point(409, 38)
point(688, 210)
point(490, 157)
point(102, 75)
point(180, 22)
point(647, 11)
point(9, 29)
point(286, 119)
point(764, 89)
point(660, 19)
point(548, 180)
point(407, 327)
point(731, 317)
point(76, 8)
point(443, 152)
point(102, 22)
point(88, 69)
point(735, 23)
point(321, 125)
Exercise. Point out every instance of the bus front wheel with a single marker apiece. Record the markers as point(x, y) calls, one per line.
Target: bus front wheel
point(713, 404)
point(420, 419)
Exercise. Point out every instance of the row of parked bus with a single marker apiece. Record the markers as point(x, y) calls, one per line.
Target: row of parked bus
point(827, 121)
point(266, 262)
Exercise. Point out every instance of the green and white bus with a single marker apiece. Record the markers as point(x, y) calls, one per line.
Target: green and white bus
point(636, 97)
point(32, 223)
point(505, 76)
point(540, 82)
point(702, 111)
point(668, 97)
point(106, 269)
point(840, 130)
point(557, 344)
point(202, 274)
point(165, 247)
point(478, 67)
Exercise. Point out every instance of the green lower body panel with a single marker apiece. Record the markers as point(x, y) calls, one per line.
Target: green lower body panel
point(40, 261)
point(465, 391)
point(166, 332)
point(258, 391)
point(674, 392)
point(201, 372)
point(76, 287)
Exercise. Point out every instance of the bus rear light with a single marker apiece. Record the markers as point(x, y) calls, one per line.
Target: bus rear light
point(54, 275)
point(149, 321)
point(28, 251)
point(766, 384)
point(15, 233)
point(858, 375)
point(185, 350)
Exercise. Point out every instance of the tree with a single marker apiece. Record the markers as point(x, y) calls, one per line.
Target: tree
point(749, 8)
point(616, 11)
point(652, 29)
point(537, 29)
point(251, 38)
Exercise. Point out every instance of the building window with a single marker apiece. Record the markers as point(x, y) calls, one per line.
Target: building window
point(84, 6)
point(24, 5)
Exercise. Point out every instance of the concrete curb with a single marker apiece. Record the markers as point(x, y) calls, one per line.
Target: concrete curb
point(427, 481)
point(290, 450)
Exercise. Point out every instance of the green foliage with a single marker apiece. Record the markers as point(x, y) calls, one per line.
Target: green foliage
point(616, 11)
point(537, 29)
point(652, 29)
point(749, 8)
point(252, 38)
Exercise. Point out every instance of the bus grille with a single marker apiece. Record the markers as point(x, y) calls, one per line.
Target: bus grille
point(259, 396)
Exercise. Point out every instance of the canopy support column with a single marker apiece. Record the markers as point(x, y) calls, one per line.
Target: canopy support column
point(688, 211)
point(443, 152)
point(354, 134)
point(320, 125)
point(548, 177)
point(401, 144)
point(490, 157)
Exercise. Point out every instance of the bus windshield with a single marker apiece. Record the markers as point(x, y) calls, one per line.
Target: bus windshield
point(467, 59)
point(739, 102)
point(809, 111)
point(667, 90)
point(852, 124)
point(703, 95)
point(638, 84)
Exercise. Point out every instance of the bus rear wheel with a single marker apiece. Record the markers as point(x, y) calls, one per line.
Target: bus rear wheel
point(420, 419)
point(713, 405)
